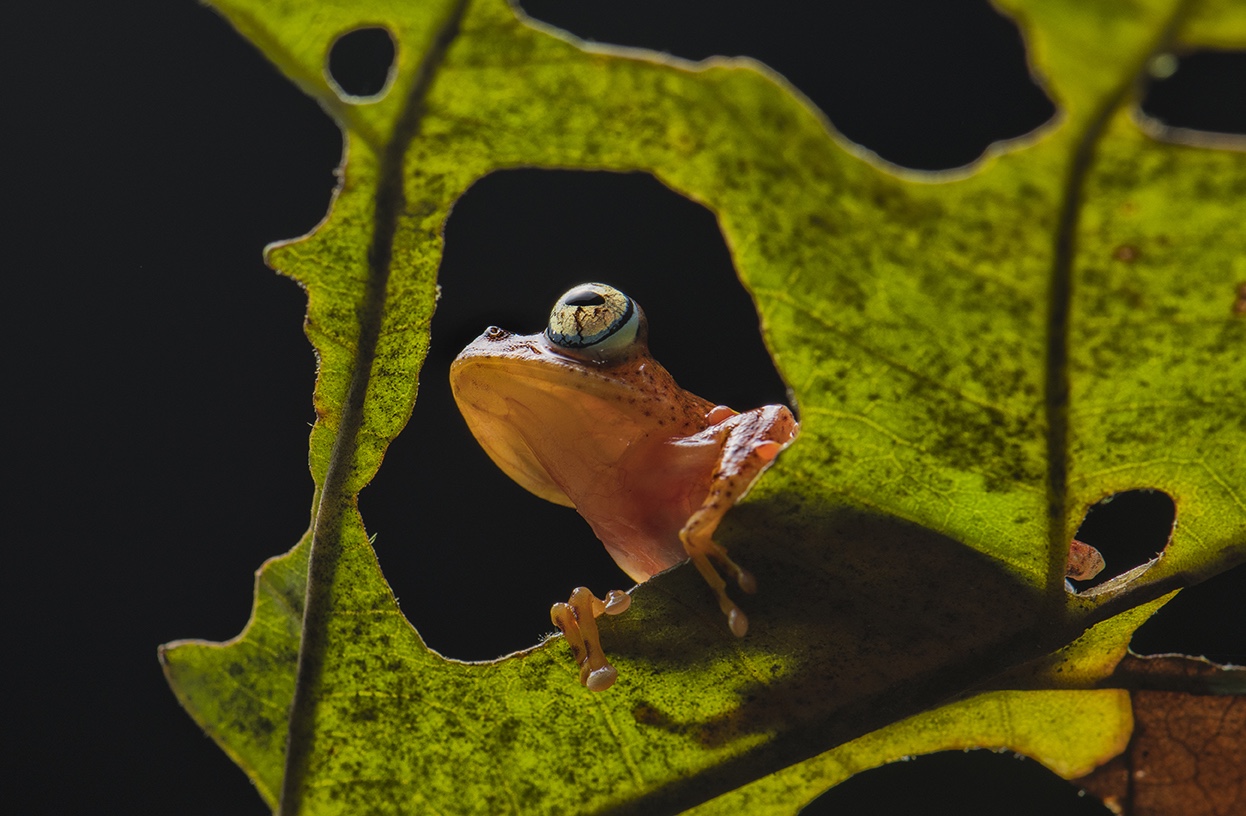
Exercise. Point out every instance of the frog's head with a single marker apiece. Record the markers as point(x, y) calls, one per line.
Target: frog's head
point(579, 391)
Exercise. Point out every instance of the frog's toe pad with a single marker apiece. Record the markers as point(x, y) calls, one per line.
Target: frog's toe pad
point(737, 622)
point(600, 679)
point(617, 602)
point(1085, 562)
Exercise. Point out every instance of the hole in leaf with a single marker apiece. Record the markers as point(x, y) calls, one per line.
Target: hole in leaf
point(924, 85)
point(1203, 620)
point(967, 783)
point(1199, 91)
point(361, 64)
point(475, 559)
point(1129, 529)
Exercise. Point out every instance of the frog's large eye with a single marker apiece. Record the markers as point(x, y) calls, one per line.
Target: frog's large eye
point(596, 319)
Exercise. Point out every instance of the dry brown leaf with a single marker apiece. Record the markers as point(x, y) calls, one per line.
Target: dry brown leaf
point(1187, 756)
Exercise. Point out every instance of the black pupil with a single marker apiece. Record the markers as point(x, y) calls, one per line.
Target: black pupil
point(585, 299)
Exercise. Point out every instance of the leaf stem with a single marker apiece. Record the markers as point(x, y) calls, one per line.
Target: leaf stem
point(336, 500)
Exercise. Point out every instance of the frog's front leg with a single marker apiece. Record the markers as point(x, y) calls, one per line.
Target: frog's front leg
point(750, 442)
point(577, 619)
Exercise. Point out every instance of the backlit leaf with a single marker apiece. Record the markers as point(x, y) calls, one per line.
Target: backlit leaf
point(977, 358)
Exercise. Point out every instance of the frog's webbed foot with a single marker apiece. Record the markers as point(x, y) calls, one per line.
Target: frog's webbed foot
point(577, 619)
point(750, 441)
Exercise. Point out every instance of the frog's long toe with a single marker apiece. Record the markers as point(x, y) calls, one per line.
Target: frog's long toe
point(737, 621)
point(698, 541)
point(577, 620)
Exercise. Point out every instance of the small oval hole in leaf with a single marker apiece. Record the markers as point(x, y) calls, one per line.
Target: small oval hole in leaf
point(1202, 621)
point(967, 783)
point(1202, 91)
point(361, 64)
point(1129, 529)
point(928, 86)
point(475, 559)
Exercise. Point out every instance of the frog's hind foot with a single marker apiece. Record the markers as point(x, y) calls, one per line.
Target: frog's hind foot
point(577, 620)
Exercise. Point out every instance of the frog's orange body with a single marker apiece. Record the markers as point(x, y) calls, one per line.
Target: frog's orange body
point(582, 415)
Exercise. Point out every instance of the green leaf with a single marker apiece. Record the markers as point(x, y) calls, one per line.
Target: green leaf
point(1072, 732)
point(977, 358)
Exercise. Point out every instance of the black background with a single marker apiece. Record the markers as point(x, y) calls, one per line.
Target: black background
point(159, 384)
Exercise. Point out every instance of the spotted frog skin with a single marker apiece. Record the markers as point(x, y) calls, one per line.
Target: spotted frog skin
point(583, 416)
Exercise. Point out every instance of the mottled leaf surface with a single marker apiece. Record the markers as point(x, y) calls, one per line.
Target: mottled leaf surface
point(976, 357)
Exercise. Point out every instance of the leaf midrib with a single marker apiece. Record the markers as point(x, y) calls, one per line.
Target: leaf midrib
point(389, 202)
point(1056, 376)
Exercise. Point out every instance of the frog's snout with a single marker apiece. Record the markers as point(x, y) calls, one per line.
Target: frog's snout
point(495, 334)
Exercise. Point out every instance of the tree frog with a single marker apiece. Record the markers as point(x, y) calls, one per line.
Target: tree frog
point(583, 416)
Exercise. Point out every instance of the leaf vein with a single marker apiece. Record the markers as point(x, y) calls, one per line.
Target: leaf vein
point(852, 338)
